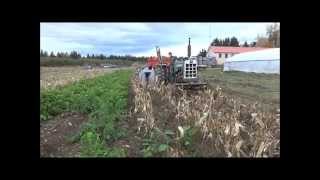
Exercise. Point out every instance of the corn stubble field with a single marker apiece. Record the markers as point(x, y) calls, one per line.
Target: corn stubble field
point(125, 119)
point(52, 77)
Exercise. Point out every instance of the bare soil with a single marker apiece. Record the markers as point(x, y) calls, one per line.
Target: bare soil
point(55, 135)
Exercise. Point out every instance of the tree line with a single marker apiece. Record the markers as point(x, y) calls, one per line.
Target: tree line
point(72, 54)
point(270, 40)
point(77, 55)
point(225, 42)
point(233, 42)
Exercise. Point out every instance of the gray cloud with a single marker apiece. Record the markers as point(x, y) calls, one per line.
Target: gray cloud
point(133, 38)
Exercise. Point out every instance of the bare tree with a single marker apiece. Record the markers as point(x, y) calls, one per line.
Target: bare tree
point(273, 34)
point(263, 42)
point(272, 40)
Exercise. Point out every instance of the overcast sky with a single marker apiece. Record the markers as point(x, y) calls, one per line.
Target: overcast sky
point(140, 39)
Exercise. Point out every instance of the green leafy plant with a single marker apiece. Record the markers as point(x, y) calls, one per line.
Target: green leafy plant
point(93, 146)
point(158, 143)
point(103, 98)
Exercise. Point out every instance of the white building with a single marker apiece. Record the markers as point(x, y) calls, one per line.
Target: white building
point(224, 52)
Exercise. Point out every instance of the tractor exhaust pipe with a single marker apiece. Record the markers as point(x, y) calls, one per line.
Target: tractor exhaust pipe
point(189, 49)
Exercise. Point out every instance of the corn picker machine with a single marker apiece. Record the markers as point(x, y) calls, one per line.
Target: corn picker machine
point(182, 72)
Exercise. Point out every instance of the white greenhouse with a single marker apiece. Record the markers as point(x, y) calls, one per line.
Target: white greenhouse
point(261, 61)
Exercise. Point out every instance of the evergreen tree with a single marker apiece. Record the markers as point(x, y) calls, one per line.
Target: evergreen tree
point(253, 44)
point(224, 42)
point(202, 53)
point(52, 54)
point(60, 54)
point(215, 42)
point(227, 42)
point(234, 42)
point(245, 44)
point(75, 55)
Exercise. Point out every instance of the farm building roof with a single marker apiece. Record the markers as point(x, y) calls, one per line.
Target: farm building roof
point(223, 49)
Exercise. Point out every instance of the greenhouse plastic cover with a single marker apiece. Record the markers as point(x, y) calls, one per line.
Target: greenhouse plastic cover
point(262, 61)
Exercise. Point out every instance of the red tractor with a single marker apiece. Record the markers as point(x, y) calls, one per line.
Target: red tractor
point(181, 72)
point(161, 64)
point(155, 61)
